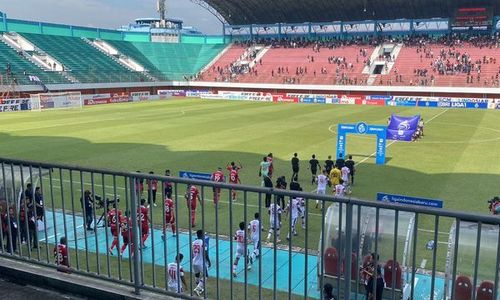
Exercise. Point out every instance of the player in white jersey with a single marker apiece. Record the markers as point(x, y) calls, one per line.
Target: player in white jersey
point(254, 233)
point(175, 272)
point(345, 173)
point(339, 190)
point(198, 262)
point(294, 208)
point(241, 247)
point(302, 212)
point(322, 183)
point(274, 221)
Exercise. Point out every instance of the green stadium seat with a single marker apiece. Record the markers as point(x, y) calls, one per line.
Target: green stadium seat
point(83, 61)
point(20, 66)
point(169, 61)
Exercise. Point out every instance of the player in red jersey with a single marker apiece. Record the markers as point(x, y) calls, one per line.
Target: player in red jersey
point(217, 176)
point(126, 231)
point(143, 218)
point(271, 166)
point(114, 216)
point(61, 255)
point(234, 177)
point(192, 194)
point(169, 217)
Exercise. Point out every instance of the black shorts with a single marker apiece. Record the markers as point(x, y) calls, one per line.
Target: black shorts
point(314, 171)
point(295, 170)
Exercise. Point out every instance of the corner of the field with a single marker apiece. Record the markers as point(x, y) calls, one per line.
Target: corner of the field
point(26, 273)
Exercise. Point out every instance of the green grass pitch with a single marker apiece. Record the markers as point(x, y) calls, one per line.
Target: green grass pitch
point(456, 161)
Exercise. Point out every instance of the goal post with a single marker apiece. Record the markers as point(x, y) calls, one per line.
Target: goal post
point(62, 100)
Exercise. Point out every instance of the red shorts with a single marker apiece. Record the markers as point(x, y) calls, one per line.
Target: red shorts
point(114, 231)
point(126, 239)
point(144, 229)
point(169, 219)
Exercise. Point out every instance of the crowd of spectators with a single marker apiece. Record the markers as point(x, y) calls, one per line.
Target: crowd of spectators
point(439, 57)
point(242, 65)
point(448, 56)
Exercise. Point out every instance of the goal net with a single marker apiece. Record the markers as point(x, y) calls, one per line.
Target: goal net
point(56, 100)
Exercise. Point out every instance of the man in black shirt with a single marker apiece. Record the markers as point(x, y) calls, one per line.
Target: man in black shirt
point(329, 164)
point(350, 164)
point(39, 203)
point(379, 289)
point(314, 167)
point(28, 193)
point(340, 162)
point(281, 185)
point(88, 206)
point(295, 186)
point(32, 224)
point(268, 183)
point(295, 167)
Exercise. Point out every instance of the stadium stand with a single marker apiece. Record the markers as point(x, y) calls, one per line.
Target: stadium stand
point(221, 70)
point(21, 69)
point(420, 61)
point(458, 63)
point(83, 61)
point(304, 63)
point(173, 61)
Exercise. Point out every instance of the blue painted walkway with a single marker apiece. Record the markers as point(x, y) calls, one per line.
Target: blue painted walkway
point(422, 286)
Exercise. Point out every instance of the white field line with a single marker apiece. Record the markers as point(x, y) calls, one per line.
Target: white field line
point(122, 188)
point(423, 263)
point(52, 236)
point(226, 202)
point(391, 143)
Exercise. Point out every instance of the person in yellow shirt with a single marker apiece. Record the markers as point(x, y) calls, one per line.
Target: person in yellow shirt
point(335, 176)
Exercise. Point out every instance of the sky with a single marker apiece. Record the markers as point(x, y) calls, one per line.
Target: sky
point(107, 13)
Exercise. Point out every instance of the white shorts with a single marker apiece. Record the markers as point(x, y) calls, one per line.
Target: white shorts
point(271, 225)
point(240, 252)
point(322, 191)
point(198, 268)
point(294, 221)
point(256, 244)
point(174, 288)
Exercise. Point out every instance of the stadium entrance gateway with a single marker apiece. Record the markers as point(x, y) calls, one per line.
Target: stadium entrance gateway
point(362, 128)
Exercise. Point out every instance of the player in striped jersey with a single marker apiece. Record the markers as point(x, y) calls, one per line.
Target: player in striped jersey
point(274, 221)
point(176, 272)
point(198, 254)
point(295, 209)
point(241, 245)
point(254, 229)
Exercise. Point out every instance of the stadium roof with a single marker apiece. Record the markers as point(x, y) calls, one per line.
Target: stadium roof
point(242, 12)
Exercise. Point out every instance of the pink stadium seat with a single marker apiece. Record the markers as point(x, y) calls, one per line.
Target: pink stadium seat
point(331, 261)
point(230, 56)
point(485, 291)
point(463, 288)
point(388, 269)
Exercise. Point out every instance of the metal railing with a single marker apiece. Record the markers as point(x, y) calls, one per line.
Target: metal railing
point(341, 245)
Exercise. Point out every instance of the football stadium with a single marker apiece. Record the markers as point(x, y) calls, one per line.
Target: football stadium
point(311, 150)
